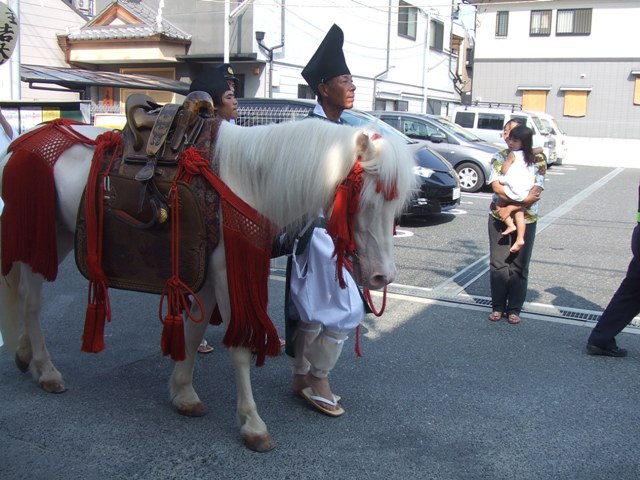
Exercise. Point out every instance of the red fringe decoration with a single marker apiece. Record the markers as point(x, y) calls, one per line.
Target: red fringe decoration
point(340, 224)
point(29, 216)
point(98, 305)
point(28, 190)
point(247, 239)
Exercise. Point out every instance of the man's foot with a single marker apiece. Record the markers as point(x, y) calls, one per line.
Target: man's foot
point(320, 388)
point(298, 384)
point(495, 316)
point(607, 352)
point(509, 230)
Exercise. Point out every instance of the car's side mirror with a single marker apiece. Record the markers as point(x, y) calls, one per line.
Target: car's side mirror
point(437, 137)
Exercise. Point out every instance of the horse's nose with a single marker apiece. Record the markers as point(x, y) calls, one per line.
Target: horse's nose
point(379, 280)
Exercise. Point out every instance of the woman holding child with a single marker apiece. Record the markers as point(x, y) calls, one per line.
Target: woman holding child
point(511, 239)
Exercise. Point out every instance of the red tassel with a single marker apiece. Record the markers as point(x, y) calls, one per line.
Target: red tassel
point(172, 341)
point(358, 349)
point(93, 334)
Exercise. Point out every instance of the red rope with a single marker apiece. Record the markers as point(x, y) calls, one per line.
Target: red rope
point(367, 296)
point(98, 304)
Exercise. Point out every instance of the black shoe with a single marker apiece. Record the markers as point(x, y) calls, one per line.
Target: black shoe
point(607, 352)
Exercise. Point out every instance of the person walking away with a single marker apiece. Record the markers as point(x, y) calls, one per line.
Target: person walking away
point(509, 271)
point(516, 176)
point(318, 313)
point(623, 306)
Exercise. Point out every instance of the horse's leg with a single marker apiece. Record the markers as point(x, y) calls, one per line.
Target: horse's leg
point(32, 349)
point(183, 395)
point(252, 428)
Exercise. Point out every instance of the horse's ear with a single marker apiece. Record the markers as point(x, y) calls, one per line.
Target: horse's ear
point(365, 145)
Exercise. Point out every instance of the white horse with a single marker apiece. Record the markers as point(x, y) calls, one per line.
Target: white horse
point(286, 172)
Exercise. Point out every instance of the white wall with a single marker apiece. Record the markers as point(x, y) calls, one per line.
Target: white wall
point(40, 21)
point(614, 31)
point(369, 34)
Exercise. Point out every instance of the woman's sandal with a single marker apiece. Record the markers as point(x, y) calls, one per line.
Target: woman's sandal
point(204, 347)
point(495, 316)
point(513, 319)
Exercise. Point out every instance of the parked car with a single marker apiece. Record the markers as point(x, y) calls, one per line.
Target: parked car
point(487, 122)
point(439, 188)
point(562, 139)
point(469, 154)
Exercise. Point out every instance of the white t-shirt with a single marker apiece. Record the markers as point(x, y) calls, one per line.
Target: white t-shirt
point(518, 180)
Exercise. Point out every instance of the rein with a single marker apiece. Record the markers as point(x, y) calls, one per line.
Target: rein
point(367, 296)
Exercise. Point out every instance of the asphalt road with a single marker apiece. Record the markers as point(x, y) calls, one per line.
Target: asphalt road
point(440, 393)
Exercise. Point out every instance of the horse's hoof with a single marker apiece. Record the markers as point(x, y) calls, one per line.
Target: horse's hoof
point(259, 443)
point(53, 386)
point(21, 364)
point(197, 410)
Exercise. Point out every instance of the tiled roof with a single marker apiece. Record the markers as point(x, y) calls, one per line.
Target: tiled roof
point(148, 28)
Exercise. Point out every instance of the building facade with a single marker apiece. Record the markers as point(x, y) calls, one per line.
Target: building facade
point(576, 60)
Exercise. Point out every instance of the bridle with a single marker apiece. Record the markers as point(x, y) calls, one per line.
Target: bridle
point(340, 225)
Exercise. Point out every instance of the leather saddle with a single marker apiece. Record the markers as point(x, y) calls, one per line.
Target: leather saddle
point(137, 237)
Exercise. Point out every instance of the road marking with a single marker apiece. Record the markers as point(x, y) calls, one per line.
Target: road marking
point(402, 233)
point(457, 283)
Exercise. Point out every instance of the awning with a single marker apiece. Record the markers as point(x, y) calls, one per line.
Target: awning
point(77, 80)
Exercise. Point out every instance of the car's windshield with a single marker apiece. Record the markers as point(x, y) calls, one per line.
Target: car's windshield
point(356, 118)
point(457, 129)
point(549, 126)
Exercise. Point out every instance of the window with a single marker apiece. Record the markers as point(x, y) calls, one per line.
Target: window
point(434, 106)
point(465, 119)
point(407, 20)
point(534, 100)
point(540, 23)
point(436, 35)
point(636, 91)
point(574, 22)
point(575, 103)
point(304, 91)
point(490, 121)
point(502, 24)
point(393, 121)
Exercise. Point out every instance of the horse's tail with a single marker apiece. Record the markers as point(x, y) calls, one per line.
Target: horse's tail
point(9, 309)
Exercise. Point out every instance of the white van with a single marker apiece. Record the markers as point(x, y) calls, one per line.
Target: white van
point(562, 139)
point(487, 122)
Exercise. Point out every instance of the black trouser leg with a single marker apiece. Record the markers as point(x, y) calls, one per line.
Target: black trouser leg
point(509, 272)
point(625, 303)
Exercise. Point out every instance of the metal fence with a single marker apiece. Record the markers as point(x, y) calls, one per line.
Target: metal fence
point(249, 116)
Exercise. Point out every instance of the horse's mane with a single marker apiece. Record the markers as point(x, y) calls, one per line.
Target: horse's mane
point(273, 167)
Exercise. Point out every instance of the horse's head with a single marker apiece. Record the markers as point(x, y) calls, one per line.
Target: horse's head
point(367, 204)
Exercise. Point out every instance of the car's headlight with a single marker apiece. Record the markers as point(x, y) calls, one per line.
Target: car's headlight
point(422, 171)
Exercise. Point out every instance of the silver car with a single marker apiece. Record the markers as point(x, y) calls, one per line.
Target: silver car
point(469, 155)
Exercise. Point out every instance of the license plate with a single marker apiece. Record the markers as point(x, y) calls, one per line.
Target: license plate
point(456, 193)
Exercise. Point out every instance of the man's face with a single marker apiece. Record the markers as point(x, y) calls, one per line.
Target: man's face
point(339, 92)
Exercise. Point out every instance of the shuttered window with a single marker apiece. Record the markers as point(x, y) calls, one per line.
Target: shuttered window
point(574, 22)
point(534, 100)
point(502, 24)
point(540, 25)
point(575, 103)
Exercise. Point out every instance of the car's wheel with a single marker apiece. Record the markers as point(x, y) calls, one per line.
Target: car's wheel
point(471, 177)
